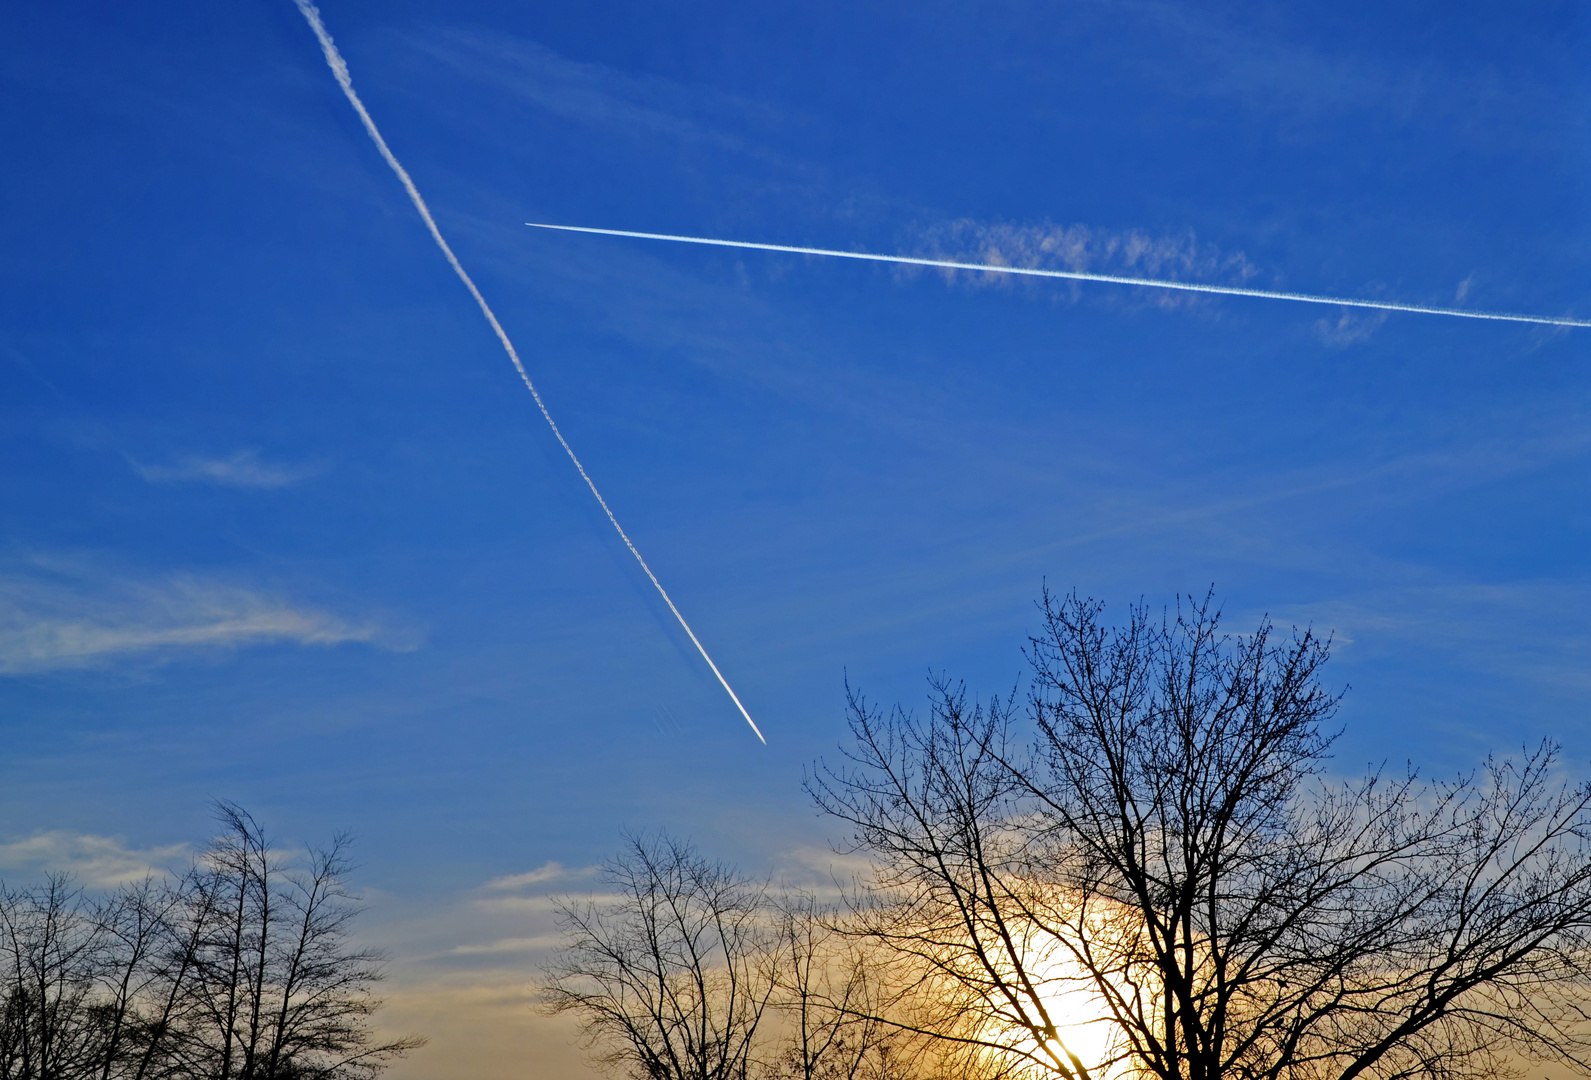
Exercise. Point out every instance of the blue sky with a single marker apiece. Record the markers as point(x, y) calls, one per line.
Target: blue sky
point(279, 524)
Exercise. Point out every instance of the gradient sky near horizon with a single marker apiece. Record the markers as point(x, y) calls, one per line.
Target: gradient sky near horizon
point(279, 524)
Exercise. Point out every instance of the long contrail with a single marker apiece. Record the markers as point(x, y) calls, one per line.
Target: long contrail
point(1080, 275)
point(339, 68)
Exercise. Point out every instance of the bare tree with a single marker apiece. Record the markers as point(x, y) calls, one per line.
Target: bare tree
point(1157, 857)
point(184, 920)
point(240, 968)
point(669, 977)
point(136, 923)
point(829, 994)
point(53, 951)
point(272, 990)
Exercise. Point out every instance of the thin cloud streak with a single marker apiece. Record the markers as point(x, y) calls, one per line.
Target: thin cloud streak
point(1082, 275)
point(552, 871)
point(588, 93)
point(243, 469)
point(509, 945)
point(339, 69)
point(50, 625)
point(1527, 630)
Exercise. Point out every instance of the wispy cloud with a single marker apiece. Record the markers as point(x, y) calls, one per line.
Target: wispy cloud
point(1280, 68)
point(481, 1024)
point(243, 469)
point(50, 620)
point(97, 861)
point(508, 945)
point(531, 906)
point(1083, 248)
point(1533, 629)
point(542, 875)
point(1349, 328)
point(593, 94)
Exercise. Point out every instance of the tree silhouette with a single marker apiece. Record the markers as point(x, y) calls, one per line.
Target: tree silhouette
point(1145, 871)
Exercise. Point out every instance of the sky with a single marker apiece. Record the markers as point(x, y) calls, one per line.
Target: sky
point(280, 524)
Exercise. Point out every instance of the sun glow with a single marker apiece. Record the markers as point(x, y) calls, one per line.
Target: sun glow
point(1084, 1027)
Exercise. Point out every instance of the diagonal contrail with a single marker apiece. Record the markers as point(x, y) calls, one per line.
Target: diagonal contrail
point(339, 69)
point(1079, 275)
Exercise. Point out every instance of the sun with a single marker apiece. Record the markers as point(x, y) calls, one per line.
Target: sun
point(1084, 1026)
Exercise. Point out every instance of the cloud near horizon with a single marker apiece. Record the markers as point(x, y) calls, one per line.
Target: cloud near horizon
point(51, 622)
point(97, 861)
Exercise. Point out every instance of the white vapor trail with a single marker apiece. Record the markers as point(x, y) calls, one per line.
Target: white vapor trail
point(1079, 275)
point(339, 69)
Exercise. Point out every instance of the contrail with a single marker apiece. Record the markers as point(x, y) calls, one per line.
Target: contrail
point(339, 68)
point(1079, 275)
